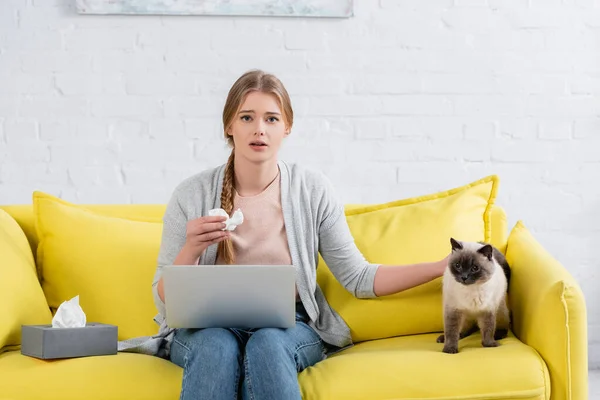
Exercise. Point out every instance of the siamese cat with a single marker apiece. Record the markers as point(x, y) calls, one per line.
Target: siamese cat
point(475, 287)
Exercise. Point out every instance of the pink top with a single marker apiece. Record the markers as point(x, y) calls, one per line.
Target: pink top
point(261, 239)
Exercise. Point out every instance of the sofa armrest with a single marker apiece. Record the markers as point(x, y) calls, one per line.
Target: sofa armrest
point(549, 313)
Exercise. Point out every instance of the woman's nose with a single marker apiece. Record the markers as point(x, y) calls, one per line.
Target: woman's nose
point(260, 128)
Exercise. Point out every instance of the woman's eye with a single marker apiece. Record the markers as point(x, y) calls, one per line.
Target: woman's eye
point(273, 119)
point(245, 118)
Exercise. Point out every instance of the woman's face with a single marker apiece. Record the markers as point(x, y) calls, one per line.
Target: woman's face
point(258, 128)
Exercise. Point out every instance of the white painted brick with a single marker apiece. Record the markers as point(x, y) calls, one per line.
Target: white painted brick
point(509, 39)
point(430, 105)
point(344, 105)
point(193, 107)
point(556, 129)
point(136, 175)
point(70, 84)
point(270, 40)
point(161, 40)
point(165, 129)
point(161, 84)
point(210, 154)
point(127, 130)
point(27, 152)
point(74, 130)
point(584, 84)
point(432, 127)
point(33, 41)
point(542, 17)
point(107, 176)
point(586, 128)
point(15, 172)
point(371, 128)
point(474, 19)
point(270, 61)
point(307, 38)
point(518, 128)
point(389, 84)
point(98, 195)
point(128, 63)
point(16, 130)
point(567, 106)
point(48, 106)
point(471, 3)
point(488, 105)
point(370, 174)
point(8, 106)
point(460, 84)
point(48, 61)
point(312, 86)
point(480, 129)
point(449, 172)
point(83, 153)
point(20, 83)
point(150, 195)
point(203, 62)
point(203, 128)
point(126, 106)
point(394, 5)
point(156, 152)
point(113, 40)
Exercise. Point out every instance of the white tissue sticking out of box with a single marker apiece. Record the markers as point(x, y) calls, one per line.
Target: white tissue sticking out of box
point(237, 218)
point(69, 315)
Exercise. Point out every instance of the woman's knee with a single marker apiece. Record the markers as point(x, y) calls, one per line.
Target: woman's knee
point(210, 342)
point(268, 342)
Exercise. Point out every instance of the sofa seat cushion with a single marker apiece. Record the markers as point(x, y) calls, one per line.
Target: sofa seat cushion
point(121, 376)
point(414, 367)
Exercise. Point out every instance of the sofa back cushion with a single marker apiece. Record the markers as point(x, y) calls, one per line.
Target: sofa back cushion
point(413, 230)
point(108, 261)
point(22, 301)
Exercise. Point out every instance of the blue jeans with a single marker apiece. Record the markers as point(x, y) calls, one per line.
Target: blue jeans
point(253, 364)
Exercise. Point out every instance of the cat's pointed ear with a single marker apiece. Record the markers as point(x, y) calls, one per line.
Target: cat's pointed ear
point(486, 251)
point(456, 245)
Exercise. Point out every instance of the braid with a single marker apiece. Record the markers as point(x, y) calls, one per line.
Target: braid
point(226, 246)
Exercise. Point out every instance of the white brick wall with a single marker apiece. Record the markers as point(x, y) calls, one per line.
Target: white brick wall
point(428, 94)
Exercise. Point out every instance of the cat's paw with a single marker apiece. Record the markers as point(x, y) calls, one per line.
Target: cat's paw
point(500, 334)
point(491, 343)
point(440, 339)
point(450, 349)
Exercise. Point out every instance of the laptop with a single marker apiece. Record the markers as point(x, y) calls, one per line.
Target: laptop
point(230, 296)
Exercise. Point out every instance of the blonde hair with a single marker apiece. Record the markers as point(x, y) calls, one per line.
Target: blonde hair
point(254, 80)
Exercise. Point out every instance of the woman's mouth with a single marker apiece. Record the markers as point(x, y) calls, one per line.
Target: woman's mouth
point(258, 145)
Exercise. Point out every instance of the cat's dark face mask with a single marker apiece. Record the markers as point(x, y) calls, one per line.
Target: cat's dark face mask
point(467, 271)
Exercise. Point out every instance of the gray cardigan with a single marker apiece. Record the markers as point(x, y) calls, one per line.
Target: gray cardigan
point(315, 223)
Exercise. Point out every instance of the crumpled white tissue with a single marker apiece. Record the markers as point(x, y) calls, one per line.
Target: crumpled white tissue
point(237, 218)
point(69, 315)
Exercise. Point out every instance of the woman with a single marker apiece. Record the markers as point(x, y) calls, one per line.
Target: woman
point(290, 215)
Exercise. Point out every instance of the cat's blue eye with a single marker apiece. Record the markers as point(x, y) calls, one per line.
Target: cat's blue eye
point(475, 268)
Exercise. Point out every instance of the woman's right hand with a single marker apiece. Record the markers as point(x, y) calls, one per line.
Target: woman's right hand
point(203, 232)
point(200, 233)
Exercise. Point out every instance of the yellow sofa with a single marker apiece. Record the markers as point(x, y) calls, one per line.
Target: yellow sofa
point(52, 249)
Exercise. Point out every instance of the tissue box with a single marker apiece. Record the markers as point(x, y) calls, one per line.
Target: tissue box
point(46, 342)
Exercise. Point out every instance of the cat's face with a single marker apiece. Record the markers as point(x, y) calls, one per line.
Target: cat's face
point(470, 262)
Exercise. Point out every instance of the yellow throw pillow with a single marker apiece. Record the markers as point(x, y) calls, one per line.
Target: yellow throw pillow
point(22, 301)
point(409, 231)
point(108, 261)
